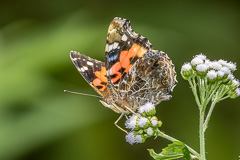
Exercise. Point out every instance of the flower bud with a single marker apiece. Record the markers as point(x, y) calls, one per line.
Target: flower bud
point(234, 84)
point(143, 122)
point(215, 65)
point(234, 94)
point(202, 69)
point(154, 121)
point(150, 131)
point(131, 122)
point(147, 110)
point(130, 138)
point(140, 139)
point(201, 56)
point(232, 66)
point(187, 71)
point(195, 61)
point(159, 123)
point(212, 75)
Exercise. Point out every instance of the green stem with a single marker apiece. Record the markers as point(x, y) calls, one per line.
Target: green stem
point(201, 89)
point(194, 90)
point(218, 97)
point(202, 136)
point(213, 92)
point(163, 135)
point(224, 98)
point(209, 114)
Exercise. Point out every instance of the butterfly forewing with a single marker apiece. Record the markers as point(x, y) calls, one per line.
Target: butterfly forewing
point(124, 47)
point(92, 70)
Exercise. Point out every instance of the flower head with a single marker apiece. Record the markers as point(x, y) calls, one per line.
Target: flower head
point(236, 82)
point(131, 122)
point(186, 70)
point(195, 61)
point(215, 65)
point(130, 138)
point(232, 66)
point(139, 139)
point(238, 91)
point(207, 62)
point(154, 122)
point(231, 77)
point(225, 70)
point(220, 73)
point(202, 67)
point(147, 108)
point(142, 122)
point(186, 67)
point(212, 74)
point(201, 56)
point(150, 131)
point(235, 93)
point(222, 62)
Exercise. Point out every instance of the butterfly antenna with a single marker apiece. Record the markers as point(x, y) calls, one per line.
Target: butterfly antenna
point(84, 94)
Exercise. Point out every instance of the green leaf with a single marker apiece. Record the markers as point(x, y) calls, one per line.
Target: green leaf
point(173, 151)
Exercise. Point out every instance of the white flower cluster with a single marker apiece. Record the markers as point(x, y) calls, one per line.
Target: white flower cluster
point(143, 125)
point(220, 72)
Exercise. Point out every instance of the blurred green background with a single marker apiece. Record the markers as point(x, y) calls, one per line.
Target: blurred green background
point(38, 121)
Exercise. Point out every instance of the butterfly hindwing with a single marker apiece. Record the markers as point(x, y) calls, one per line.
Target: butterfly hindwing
point(92, 70)
point(152, 78)
point(124, 47)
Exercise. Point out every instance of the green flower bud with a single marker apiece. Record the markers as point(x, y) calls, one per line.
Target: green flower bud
point(234, 94)
point(187, 71)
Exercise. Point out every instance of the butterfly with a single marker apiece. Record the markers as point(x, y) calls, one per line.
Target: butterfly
point(133, 72)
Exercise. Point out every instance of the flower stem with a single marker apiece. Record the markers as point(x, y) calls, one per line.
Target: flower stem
point(163, 135)
point(194, 90)
point(202, 136)
point(209, 114)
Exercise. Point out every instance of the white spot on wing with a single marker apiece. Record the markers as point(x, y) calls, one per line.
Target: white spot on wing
point(89, 63)
point(82, 69)
point(124, 37)
point(110, 47)
point(115, 44)
point(85, 68)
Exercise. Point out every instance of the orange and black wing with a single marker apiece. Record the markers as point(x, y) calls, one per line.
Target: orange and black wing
point(124, 47)
point(93, 71)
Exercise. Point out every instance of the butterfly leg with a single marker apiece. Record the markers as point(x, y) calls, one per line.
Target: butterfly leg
point(118, 125)
point(131, 111)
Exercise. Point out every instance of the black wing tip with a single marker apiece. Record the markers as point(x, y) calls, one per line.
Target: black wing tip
point(75, 54)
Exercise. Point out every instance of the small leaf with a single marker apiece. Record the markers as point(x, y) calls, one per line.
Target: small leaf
point(173, 151)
